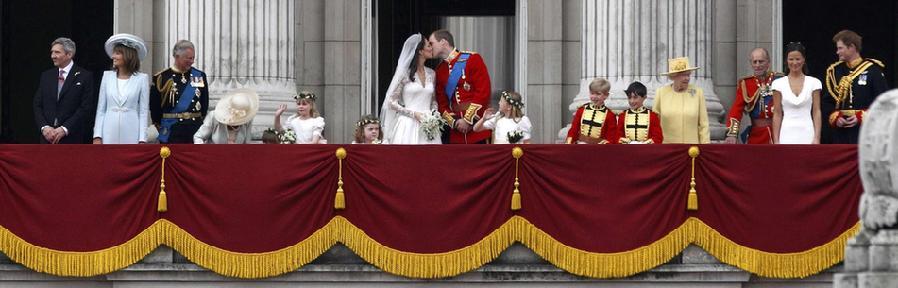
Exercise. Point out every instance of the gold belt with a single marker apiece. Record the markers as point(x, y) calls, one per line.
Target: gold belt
point(182, 115)
point(849, 112)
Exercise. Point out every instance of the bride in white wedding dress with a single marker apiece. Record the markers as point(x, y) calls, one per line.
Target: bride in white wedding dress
point(410, 98)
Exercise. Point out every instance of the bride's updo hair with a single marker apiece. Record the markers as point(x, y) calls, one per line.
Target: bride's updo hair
point(413, 66)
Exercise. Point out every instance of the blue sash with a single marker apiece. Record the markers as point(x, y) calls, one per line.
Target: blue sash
point(455, 75)
point(760, 106)
point(182, 106)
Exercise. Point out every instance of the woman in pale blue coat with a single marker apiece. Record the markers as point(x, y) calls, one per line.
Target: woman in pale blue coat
point(123, 104)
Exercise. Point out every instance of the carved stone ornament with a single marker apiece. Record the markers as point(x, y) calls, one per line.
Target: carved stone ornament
point(878, 151)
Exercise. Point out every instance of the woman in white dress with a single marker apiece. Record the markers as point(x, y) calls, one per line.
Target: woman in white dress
point(410, 98)
point(123, 103)
point(796, 100)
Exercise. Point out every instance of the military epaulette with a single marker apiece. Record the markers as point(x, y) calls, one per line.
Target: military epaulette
point(877, 62)
point(160, 72)
point(834, 65)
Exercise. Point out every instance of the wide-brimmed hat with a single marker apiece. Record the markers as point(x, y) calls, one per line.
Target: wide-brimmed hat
point(128, 40)
point(238, 108)
point(678, 65)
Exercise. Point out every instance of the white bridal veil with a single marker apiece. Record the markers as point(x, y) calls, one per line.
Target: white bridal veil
point(388, 115)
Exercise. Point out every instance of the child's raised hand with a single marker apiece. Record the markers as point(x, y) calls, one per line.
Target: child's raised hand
point(489, 112)
point(281, 109)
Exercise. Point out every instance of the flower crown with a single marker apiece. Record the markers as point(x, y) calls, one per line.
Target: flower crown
point(305, 95)
point(362, 123)
point(511, 101)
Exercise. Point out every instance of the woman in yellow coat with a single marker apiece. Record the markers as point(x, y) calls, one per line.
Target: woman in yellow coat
point(681, 106)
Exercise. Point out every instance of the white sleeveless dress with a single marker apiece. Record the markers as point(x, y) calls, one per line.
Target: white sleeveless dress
point(798, 125)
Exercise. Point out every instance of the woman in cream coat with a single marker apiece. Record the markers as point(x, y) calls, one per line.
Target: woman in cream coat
point(123, 103)
point(232, 120)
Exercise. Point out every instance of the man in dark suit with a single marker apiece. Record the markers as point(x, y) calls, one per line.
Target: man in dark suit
point(64, 97)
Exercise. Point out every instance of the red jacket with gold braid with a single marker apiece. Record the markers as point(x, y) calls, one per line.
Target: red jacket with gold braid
point(593, 125)
point(472, 96)
point(753, 96)
point(639, 125)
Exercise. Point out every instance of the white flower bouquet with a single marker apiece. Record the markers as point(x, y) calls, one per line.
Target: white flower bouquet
point(432, 125)
point(287, 137)
point(515, 136)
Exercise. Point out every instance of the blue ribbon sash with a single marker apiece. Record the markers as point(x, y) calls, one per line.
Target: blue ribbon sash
point(455, 75)
point(183, 104)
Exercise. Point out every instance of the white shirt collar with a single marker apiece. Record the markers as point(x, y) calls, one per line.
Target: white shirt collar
point(65, 71)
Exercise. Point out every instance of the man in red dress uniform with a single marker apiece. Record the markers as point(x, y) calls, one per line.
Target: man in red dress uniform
point(754, 96)
point(462, 89)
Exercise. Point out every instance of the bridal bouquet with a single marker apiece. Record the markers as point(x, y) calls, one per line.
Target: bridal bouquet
point(432, 125)
point(287, 137)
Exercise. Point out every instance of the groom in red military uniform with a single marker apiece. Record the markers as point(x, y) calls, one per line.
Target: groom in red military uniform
point(462, 89)
point(754, 96)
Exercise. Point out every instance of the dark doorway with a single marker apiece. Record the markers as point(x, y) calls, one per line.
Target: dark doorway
point(813, 23)
point(397, 19)
point(28, 28)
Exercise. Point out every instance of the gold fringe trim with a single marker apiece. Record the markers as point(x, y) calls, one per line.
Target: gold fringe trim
point(250, 265)
point(605, 265)
point(436, 265)
point(81, 264)
point(773, 265)
point(418, 265)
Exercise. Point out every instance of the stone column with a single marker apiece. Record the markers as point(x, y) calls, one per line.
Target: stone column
point(239, 44)
point(545, 66)
point(136, 17)
point(625, 41)
point(871, 258)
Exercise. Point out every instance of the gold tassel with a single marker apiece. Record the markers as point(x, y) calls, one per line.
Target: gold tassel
point(162, 206)
point(340, 199)
point(517, 152)
point(516, 201)
point(692, 200)
point(163, 202)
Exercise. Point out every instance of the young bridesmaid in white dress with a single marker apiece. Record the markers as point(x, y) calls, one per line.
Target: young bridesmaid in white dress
point(796, 118)
point(509, 126)
point(306, 123)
